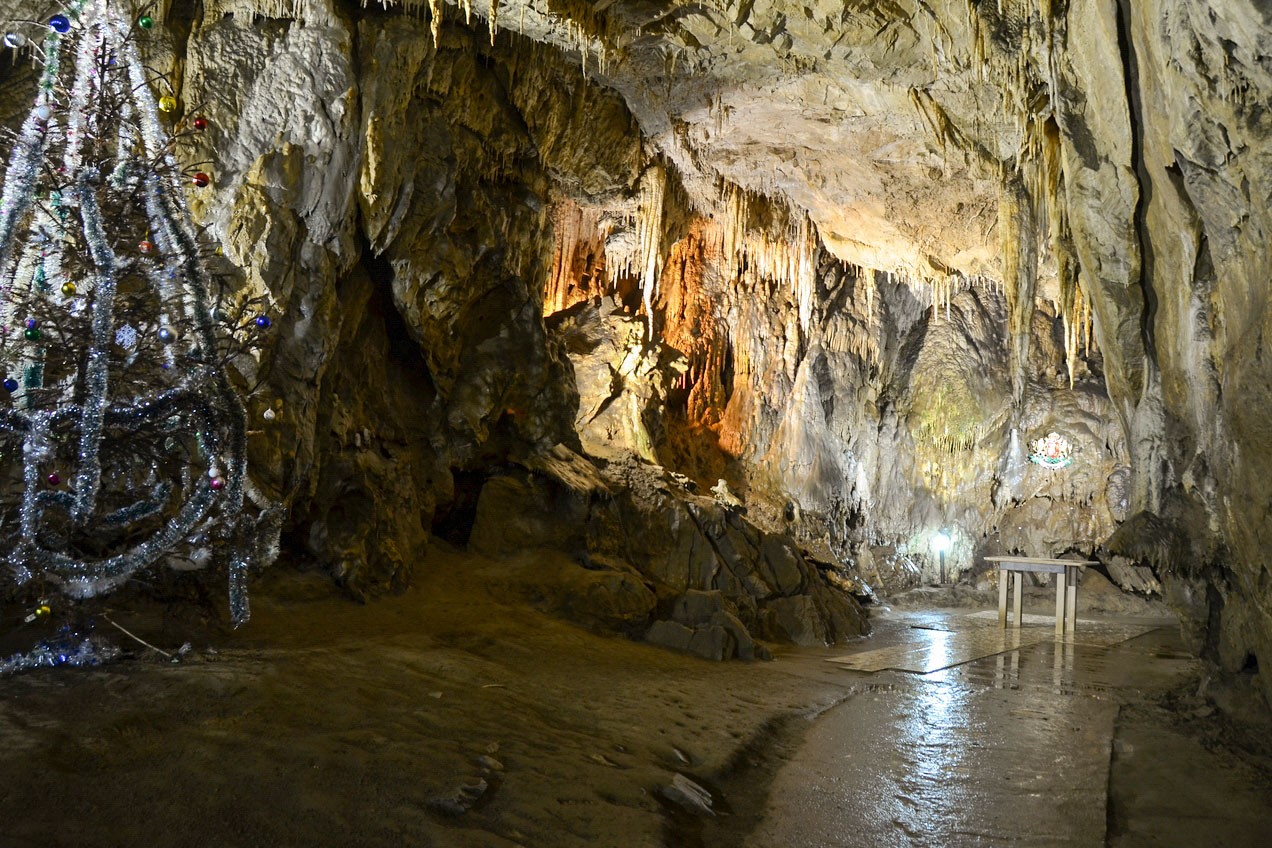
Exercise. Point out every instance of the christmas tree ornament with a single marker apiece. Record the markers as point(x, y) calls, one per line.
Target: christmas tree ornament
point(132, 442)
point(201, 179)
point(43, 610)
point(16, 40)
point(167, 103)
point(200, 124)
point(68, 649)
point(262, 321)
point(146, 22)
point(269, 415)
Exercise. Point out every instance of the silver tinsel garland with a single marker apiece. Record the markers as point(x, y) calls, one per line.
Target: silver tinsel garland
point(184, 431)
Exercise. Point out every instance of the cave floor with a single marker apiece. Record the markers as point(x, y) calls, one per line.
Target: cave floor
point(457, 714)
point(1099, 738)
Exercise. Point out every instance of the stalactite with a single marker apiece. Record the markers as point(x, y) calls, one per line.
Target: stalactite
point(805, 270)
point(734, 229)
point(435, 20)
point(1020, 275)
point(649, 226)
point(870, 293)
point(1077, 317)
point(293, 9)
point(493, 20)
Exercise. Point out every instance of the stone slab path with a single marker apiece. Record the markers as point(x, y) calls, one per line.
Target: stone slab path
point(992, 738)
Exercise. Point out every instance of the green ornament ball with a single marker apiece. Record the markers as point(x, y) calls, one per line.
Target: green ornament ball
point(32, 334)
point(145, 22)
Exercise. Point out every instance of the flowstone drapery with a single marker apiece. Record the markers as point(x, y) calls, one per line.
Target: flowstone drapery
point(123, 439)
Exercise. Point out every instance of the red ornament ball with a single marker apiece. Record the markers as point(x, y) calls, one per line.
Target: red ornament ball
point(54, 479)
point(217, 483)
point(201, 179)
point(146, 246)
point(200, 124)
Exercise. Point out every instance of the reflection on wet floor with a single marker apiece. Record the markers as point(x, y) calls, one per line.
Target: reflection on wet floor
point(993, 736)
point(930, 645)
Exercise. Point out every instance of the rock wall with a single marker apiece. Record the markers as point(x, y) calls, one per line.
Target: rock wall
point(882, 419)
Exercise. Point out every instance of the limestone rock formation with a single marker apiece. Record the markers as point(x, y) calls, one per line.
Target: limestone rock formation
point(647, 556)
point(851, 258)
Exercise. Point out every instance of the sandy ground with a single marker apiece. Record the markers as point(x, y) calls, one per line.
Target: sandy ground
point(459, 715)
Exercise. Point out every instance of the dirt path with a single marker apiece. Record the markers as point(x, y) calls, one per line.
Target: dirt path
point(454, 715)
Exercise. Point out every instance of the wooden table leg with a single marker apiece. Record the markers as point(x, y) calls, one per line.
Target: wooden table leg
point(1017, 597)
point(1002, 596)
point(1061, 595)
point(1071, 604)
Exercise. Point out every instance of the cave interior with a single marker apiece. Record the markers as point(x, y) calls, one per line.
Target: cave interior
point(728, 328)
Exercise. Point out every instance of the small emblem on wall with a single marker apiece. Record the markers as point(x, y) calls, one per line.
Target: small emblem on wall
point(1051, 451)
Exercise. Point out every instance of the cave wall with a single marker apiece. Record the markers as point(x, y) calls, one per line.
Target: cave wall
point(880, 418)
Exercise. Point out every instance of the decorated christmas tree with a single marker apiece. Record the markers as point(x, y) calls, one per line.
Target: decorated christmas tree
point(122, 435)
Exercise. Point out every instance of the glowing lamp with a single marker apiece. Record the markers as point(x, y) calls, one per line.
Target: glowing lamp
point(941, 543)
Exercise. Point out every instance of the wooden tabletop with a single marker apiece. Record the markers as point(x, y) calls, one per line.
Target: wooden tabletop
point(1080, 563)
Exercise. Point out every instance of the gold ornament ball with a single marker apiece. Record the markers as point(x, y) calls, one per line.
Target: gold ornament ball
point(167, 103)
point(68, 289)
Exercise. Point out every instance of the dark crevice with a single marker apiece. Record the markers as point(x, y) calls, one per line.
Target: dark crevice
point(1134, 101)
point(454, 521)
point(403, 348)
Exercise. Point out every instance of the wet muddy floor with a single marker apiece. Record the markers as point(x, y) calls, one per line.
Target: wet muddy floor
point(459, 715)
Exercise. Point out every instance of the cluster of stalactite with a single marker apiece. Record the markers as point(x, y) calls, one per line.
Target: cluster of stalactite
point(1033, 224)
point(691, 326)
point(577, 271)
point(783, 248)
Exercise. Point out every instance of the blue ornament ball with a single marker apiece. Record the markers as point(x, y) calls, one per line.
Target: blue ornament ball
point(263, 322)
point(167, 335)
point(60, 23)
point(10, 384)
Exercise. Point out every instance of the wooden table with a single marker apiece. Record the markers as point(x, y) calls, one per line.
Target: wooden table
point(1066, 572)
